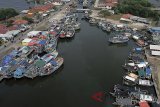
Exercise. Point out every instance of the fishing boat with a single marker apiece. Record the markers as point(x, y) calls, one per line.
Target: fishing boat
point(62, 34)
point(76, 26)
point(19, 73)
point(93, 21)
point(143, 82)
point(52, 66)
point(70, 33)
point(125, 102)
point(143, 103)
point(118, 39)
point(133, 78)
point(141, 43)
point(108, 29)
point(32, 71)
point(143, 97)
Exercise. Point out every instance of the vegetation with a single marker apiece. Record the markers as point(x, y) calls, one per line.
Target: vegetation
point(138, 8)
point(7, 13)
point(104, 13)
point(30, 20)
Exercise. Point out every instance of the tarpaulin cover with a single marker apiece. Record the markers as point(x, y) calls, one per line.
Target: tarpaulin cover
point(42, 42)
point(138, 49)
point(19, 71)
point(148, 71)
point(53, 62)
point(7, 59)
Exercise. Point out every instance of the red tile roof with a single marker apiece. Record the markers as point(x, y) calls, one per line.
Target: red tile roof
point(42, 8)
point(3, 31)
point(19, 22)
point(126, 16)
point(3, 26)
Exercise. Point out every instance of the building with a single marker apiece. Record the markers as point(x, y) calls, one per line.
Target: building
point(155, 50)
point(41, 9)
point(154, 30)
point(126, 18)
point(108, 4)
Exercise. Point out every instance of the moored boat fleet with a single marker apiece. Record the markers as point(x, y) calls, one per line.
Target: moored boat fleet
point(38, 55)
point(122, 32)
point(138, 74)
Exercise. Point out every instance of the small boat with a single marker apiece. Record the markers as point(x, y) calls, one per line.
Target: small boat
point(125, 102)
point(145, 82)
point(108, 29)
point(70, 33)
point(76, 26)
point(52, 66)
point(118, 39)
point(93, 21)
point(62, 34)
point(144, 97)
point(141, 43)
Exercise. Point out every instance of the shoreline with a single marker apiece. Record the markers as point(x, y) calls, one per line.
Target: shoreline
point(154, 61)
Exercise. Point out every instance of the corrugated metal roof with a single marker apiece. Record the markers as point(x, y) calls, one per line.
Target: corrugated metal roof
point(154, 47)
point(156, 53)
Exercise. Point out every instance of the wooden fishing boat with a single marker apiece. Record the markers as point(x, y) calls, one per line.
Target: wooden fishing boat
point(125, 102)
point(118, 39)
point(52, 66)
point(62, 34)
point(70, 33)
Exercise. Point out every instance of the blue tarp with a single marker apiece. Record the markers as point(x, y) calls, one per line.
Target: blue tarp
point(19, 71)
point(42, 42)
point(7, 59)
point(53, 62)
point(138, 49)
point(148, 71)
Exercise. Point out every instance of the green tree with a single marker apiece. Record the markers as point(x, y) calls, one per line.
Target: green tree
point(138, 8)
point(30, 20)
point(104, 13)
point(7, 13)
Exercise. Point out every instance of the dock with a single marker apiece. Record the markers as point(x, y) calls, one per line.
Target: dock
point(154, 62)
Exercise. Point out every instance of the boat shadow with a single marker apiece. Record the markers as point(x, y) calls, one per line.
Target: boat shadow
point(118, 45)
point(66, 39)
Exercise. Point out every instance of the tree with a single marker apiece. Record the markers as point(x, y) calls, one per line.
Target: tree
point(30, 20)
point(7, 13)
point(104, 13)
point(138, 8)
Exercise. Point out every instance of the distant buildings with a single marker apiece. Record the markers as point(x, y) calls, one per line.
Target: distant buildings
point(107, 4)
point(131, 18)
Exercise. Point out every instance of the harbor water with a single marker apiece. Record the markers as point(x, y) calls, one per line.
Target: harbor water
point(91, 65)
